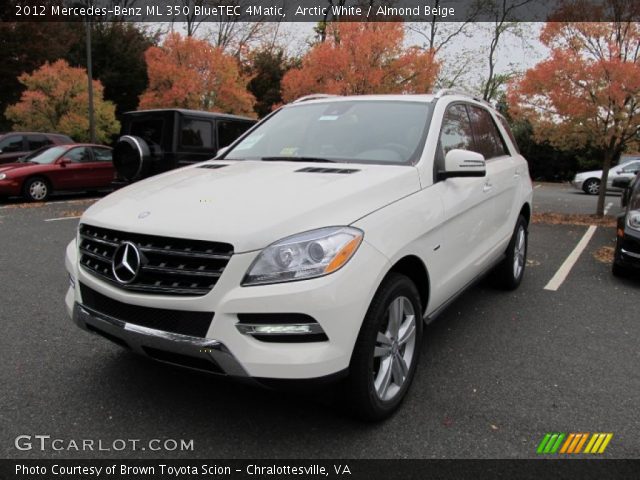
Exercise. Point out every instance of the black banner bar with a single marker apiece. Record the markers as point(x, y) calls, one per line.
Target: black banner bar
point(318, 10)
point(317, 469)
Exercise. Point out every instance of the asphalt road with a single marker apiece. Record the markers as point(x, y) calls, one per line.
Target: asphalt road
point(563, 198)
point(498, 370)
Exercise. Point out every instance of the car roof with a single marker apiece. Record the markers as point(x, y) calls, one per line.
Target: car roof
point(184, 111)
point(426, 98)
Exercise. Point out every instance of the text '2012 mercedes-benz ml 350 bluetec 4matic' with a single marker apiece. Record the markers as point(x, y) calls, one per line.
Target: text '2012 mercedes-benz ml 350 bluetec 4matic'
point(315, 247)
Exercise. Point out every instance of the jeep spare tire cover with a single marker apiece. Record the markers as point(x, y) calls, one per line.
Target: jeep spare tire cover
point(132, 158)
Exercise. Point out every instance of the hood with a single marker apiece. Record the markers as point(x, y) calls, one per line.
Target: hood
point(5, 167)
point(251, 204)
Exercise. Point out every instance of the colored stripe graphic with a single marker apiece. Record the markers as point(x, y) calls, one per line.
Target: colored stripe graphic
point(573, 443)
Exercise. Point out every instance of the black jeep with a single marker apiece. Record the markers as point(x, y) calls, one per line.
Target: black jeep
point(154, 141)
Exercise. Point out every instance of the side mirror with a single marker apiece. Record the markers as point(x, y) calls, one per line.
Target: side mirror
point(63, 162)
point(222, 151)
point(619, 172)
point(463, 163)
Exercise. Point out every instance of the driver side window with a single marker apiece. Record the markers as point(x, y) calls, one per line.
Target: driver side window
point(456, 130)
point(79, 155)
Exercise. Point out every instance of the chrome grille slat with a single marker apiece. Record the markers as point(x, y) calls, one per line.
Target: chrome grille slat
point(182, 253)
point(178, 271)
point(171, 266)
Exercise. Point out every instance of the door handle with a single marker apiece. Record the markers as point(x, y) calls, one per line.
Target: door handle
point(487, 187)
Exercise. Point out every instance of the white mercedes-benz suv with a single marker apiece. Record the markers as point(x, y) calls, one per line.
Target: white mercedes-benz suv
point(315, 247)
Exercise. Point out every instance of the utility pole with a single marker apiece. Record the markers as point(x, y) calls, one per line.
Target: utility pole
point(92, 126)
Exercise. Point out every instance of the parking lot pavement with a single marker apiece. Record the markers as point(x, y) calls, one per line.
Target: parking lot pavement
point(498, 370)
point(563, 198)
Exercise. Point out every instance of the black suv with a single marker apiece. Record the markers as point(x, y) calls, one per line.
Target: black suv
point(627, 256)
point(154, 141)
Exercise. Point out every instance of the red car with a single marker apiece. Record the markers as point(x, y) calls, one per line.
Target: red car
point(62, 167)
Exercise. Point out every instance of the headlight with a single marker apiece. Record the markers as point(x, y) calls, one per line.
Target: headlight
point(307, 255)
point(633, 219)
point(3, 176)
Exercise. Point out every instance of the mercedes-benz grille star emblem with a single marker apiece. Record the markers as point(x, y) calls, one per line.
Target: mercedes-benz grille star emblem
point(126, 263)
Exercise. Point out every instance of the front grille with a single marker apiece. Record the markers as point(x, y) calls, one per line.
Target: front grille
point(195, 324)
point(170, 266)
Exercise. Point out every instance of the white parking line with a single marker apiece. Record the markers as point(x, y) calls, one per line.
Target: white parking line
point(537, 186)
point(564, 270)
point(62, 218)
point(607, 208)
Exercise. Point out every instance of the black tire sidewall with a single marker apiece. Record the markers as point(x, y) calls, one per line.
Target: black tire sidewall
point(506, 276)
point(365, 400)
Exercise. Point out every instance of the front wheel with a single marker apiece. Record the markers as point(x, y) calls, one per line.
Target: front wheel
point(509, 273)
point(386, 353)
point(37, 189)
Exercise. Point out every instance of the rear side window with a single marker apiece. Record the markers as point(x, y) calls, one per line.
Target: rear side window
point(456, 130)
point(102, 154)
point(228, 131)
point(487, 137)
point(35, 142)
point(11, 144)
point(196, 134)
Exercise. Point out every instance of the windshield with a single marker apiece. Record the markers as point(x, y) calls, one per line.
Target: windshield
point(49, 155)
point(343, 131)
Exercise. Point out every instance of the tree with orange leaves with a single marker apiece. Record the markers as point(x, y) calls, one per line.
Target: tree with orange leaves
point(587, 93)
point(189, 73)
point(56, 99)
point(362, 58)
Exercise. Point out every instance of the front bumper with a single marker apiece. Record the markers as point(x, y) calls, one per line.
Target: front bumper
point(9, 187)
point(577, 183)
point(627, 246)
point(193, 352)
point(337, 302)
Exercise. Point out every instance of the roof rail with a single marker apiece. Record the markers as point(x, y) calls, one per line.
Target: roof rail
point(452, 91)
point(314, 96)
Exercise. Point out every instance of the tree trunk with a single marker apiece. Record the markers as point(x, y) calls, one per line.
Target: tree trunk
point(608, 158)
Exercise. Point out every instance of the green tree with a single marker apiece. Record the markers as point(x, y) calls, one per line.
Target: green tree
point(56, 99)
point(266, 68)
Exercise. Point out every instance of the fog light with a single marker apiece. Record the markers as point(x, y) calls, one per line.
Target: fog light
point(280, 329)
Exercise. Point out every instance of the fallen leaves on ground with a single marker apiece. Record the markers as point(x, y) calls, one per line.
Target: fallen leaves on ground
point(573, 219)
point(604, 254)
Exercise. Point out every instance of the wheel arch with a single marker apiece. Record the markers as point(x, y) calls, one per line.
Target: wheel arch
point(414, 268)
point(525, 211)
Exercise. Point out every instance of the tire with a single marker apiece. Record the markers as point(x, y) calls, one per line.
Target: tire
point(591, 186)
point(620, 271)
point(37, 189)
point(509, 273)
point(385, 357)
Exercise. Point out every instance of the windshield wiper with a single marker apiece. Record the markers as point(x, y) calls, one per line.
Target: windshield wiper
point(297, 159)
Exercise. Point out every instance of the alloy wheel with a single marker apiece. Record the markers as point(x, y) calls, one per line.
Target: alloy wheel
point(519, 254)
point(394, 349)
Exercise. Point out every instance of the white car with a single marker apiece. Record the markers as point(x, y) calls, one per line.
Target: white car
point(314, 248)
point(589, 182)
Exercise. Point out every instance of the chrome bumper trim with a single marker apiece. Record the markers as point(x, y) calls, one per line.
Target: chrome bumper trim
point(631, 254)
point(138, 337)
